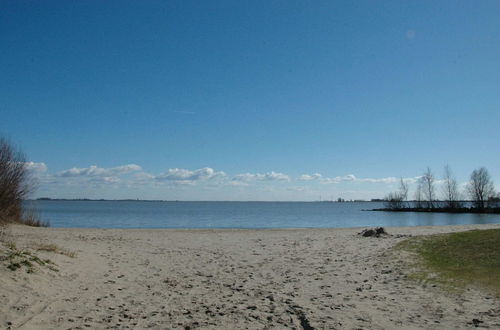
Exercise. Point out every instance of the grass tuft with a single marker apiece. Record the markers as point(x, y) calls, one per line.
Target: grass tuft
point(56, 249)
point(17, 259)
point(459, 259)
point(33, 219)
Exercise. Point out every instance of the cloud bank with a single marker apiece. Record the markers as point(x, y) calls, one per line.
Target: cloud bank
point(116, 174)
point(36, 167)
point(133, 180)
point(184, 175)
point(270, 176)
point(94, 171)
point(352, 178)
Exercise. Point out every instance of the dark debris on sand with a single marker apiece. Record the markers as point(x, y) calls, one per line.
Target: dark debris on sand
point(373, 232)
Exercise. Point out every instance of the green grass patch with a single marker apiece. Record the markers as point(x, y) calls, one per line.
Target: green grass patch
point(459, 259)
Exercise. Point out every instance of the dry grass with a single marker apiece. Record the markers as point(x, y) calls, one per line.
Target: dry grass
point(55, 249)
point(29, 218)
point(33, 219)
point(27, 258)
point(4, 232)
point(15, 259)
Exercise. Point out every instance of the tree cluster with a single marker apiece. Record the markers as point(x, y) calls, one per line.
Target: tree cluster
point(479, 190)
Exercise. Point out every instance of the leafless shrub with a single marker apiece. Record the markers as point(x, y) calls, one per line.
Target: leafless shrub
point(16, 183)
point(396, 200)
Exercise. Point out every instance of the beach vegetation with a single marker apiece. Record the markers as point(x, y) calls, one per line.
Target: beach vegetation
point(396, 200)
point(55, 249)
point(16, 183)
point(15, 259)
point(32, 218)
point(458, 260)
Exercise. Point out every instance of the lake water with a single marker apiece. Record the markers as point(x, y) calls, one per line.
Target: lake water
point(142, 214)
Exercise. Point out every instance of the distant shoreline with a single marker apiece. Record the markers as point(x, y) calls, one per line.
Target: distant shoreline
point(488, 210)
point(188, 201)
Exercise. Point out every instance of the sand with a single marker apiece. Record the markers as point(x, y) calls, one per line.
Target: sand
point(231, 279)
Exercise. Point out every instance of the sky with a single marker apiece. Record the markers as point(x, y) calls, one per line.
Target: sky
point(249, 100)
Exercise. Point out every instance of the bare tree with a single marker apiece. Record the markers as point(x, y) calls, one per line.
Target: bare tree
point(450, 189)
point(428, 188)
point(480, 187)
point(15, 181)
point(418, 195)
point(403, 191)
point(396, 200)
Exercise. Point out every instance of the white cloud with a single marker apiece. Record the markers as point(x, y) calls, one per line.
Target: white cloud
point(143, 177)
point(237, 183)
point(120, 174)
point(351, 178)
point(390, 179)
point(310, 177)
point(36, 167)
point(179, 183)
point(187, 176)
point(270, 176)
point(94, 171)
point(339, 179)
point(106, 179)
point(125, 169)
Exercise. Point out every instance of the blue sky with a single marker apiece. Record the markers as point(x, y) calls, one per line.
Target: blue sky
point(238, 100)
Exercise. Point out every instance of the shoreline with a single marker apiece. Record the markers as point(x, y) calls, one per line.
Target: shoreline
point(461, 210)
point(231, 278)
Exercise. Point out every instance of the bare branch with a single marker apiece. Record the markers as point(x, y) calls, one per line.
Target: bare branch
point(450, 189)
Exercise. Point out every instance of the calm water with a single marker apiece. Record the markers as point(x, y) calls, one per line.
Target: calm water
point(112, 214)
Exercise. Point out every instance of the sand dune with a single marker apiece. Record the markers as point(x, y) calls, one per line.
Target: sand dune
point(232, 279)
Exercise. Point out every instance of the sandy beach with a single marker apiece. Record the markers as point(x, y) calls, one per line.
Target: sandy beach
point(231, 279)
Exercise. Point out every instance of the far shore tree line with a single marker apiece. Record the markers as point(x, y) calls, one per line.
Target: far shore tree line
point(479, 192)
